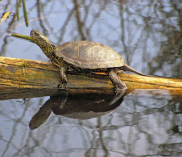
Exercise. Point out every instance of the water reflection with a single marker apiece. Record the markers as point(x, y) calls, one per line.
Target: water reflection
point(145, 123)
point(83, 106)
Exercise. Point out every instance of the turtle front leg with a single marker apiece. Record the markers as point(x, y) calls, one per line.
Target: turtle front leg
point(120, 87)
point(63, 78)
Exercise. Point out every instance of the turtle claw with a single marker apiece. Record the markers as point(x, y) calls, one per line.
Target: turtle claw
point(62, 87)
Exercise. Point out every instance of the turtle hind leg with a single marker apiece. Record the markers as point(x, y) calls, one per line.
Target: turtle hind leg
point(120, 87)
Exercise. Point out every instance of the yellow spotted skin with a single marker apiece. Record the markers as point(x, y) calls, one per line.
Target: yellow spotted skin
point(83, 56)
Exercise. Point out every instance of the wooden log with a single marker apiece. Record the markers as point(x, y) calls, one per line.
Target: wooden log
point(27, 78)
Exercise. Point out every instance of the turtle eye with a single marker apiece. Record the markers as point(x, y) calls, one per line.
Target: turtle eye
point(36, 34)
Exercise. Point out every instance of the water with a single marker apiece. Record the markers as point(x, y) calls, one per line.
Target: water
point(147, 122)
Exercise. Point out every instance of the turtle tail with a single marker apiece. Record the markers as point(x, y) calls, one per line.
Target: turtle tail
point(128, 68)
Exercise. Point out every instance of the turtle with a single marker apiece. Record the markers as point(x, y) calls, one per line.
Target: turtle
point(83, 56)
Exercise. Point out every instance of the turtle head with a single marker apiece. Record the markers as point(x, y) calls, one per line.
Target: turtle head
point(43, 42)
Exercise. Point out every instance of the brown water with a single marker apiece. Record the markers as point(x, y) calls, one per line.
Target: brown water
point(148, 36)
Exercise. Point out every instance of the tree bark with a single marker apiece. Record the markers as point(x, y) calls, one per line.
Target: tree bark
point(22, 78)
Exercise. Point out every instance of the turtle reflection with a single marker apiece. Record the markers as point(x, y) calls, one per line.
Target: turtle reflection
point(76, 106)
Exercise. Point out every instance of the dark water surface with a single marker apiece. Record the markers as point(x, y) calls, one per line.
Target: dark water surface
point(147, 122)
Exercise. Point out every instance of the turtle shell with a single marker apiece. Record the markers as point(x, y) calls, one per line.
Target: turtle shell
point(89, 55)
